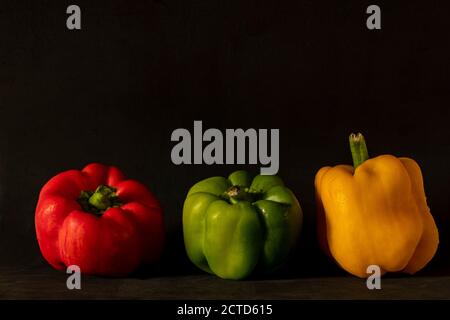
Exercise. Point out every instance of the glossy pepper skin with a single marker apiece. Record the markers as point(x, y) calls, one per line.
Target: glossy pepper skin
point(98, 220)
point(375, 214)
point(235, 225)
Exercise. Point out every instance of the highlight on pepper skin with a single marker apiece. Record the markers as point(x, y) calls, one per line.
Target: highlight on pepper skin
point(236, 225)
point(98, 220)
point(375, 213)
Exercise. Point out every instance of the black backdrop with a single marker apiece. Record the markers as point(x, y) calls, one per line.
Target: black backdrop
point(114, 91)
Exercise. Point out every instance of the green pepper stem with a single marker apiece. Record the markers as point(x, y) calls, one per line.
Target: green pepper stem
point(358, 148)
point(235, 193)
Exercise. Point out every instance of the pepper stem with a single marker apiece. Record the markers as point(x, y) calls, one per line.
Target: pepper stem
point(98, 201)
point(236, 193)
point(358, 148)
point(101, 199)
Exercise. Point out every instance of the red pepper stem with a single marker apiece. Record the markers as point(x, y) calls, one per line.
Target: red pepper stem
point(98, 201)
point(102, 198)
point(358, 149)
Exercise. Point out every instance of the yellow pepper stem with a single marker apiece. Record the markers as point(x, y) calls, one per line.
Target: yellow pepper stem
point(358, 148)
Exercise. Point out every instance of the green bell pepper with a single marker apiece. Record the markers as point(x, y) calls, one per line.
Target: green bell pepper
point(233, 226)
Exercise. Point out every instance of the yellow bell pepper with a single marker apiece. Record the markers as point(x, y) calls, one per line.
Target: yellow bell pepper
point(375, 213)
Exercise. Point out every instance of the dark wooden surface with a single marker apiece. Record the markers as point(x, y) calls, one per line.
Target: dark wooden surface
point(42, 282)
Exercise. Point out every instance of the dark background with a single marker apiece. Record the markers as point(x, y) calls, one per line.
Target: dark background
point(114, 91)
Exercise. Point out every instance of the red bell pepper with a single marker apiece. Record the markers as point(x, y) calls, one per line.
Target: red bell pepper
point(99, 221)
